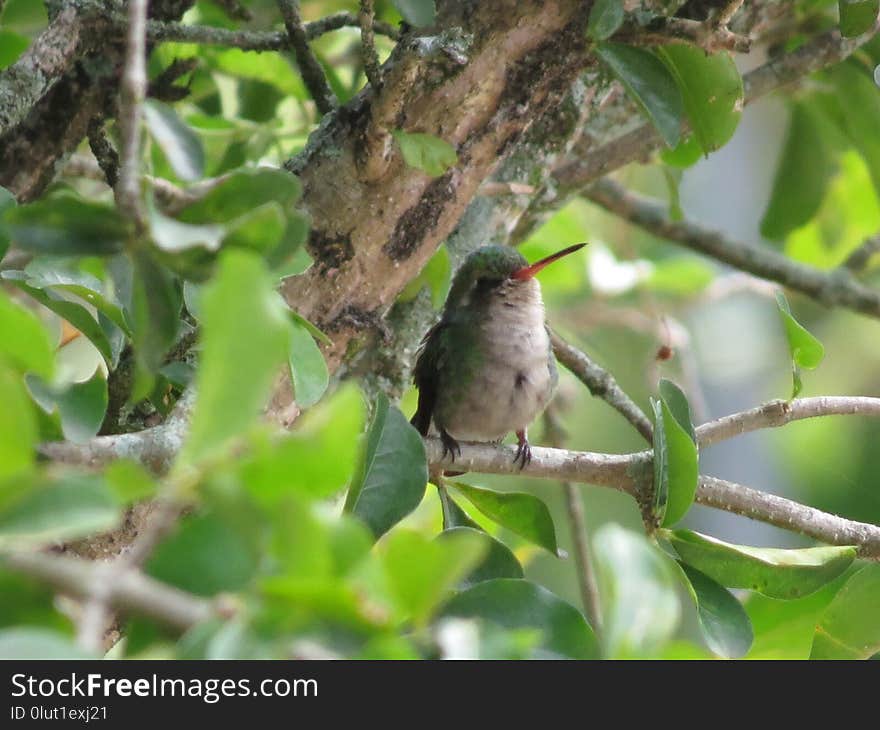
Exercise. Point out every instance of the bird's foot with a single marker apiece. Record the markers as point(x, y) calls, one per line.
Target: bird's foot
point(450, 445)
point(523, 450)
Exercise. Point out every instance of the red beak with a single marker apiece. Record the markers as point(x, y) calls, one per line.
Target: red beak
point(527, 272)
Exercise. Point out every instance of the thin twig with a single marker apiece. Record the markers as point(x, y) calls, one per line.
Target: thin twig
point(133, 93)
point(858, 259)
point(312, 73)
point(250, 40)
point(725, 15)
point(104, 152)
point(832, 288)
point(368, 45)
point(586, 574)
point(601, 384)
point(234, 9)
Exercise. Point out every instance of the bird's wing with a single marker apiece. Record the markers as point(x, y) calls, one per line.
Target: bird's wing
point(430, 359)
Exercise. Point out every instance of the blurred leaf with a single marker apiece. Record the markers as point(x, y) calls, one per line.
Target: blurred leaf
point(52, 274)
point(76, 314)
point(606, 16)
point(67, 225)
point(806, 351)
point(394, 473)
point(314, 331)
point(661, 464)
point(426, 152)
point(316, 460)
point(640, 609)
point(680, 276)
point(849, 628)
point(418, 13)
point(12, 45)
point(205, 556)
point(18, 427)
point(180, 145)
point(772, 571)
point(517, 604)
point(173, 236)
point(156, 302)
point(82, 406)
point(129, 481)
point(308, 368)
point(857, 16)
point(436, 275)
point(672, 175)
point(723, 621)
point(522, 513)
point(28, 601)
point(421, 571)
point(22, 642)
point(7, 202)
point(808, 162)
point(685, 154)
point(74, 506)
point(497, 562)
point(25, 343)
point(245, 338)
point(240, 191)
point(650, 85)
point(681, 460)
point(260, 230)
point(179, 374)
point(711, 91)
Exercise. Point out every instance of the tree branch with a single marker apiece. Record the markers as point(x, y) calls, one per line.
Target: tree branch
point(832, 288)
point(633, 474)
point(601, 384)
point(312, 73)
point(249, 40)
point(130, 592)
point(368, 45)
point(860, 257)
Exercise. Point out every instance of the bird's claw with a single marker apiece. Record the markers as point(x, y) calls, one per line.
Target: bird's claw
point(450, 446)
point(523, 451)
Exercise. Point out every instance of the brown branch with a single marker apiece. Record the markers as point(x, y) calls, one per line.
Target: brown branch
point(368, 45)
point(833, 288)
point(601, 384)
point(234, 9)
point(684, 30)
point(312, 73)
point(132, 592)
point(859, 258)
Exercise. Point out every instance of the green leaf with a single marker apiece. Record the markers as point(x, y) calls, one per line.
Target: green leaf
point(498, 560)
point(54, 275)
point(685, 154)
point(436, 275)
point(12, 45)
point(316, 460)
point(661, 464)
point(7, 202)
point(518, 604)
point(681, 459)
point(180, 145)
point(606, 16)
point(806, 351)
point(24, 642)
point(66, 225)
point(245, 338)
point(857, 16)
point(711, 91)
point(72, 507)
point(650, 85)
point(849, 628)
point(421, 571)
point(522, 513)
point(260, 230)
point(156, 303)
point(394, 473)
point(808, 162)
point(18, 427)
point(243, 190)
point(172, 236)
point(129, 481)
point(633, 575)
point(308, 368)
point(205, 556)
point(426, 152)
point(418, 13)
point(723, 621)
point(25, 343)
point(772, 571)
point(82, 406)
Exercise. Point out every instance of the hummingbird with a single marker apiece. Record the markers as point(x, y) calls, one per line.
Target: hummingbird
point(487, 367)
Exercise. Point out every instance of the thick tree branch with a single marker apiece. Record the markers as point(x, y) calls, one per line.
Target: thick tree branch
point(132, 592)
point(633, 474)
point(312, 73)
point(833, 288)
